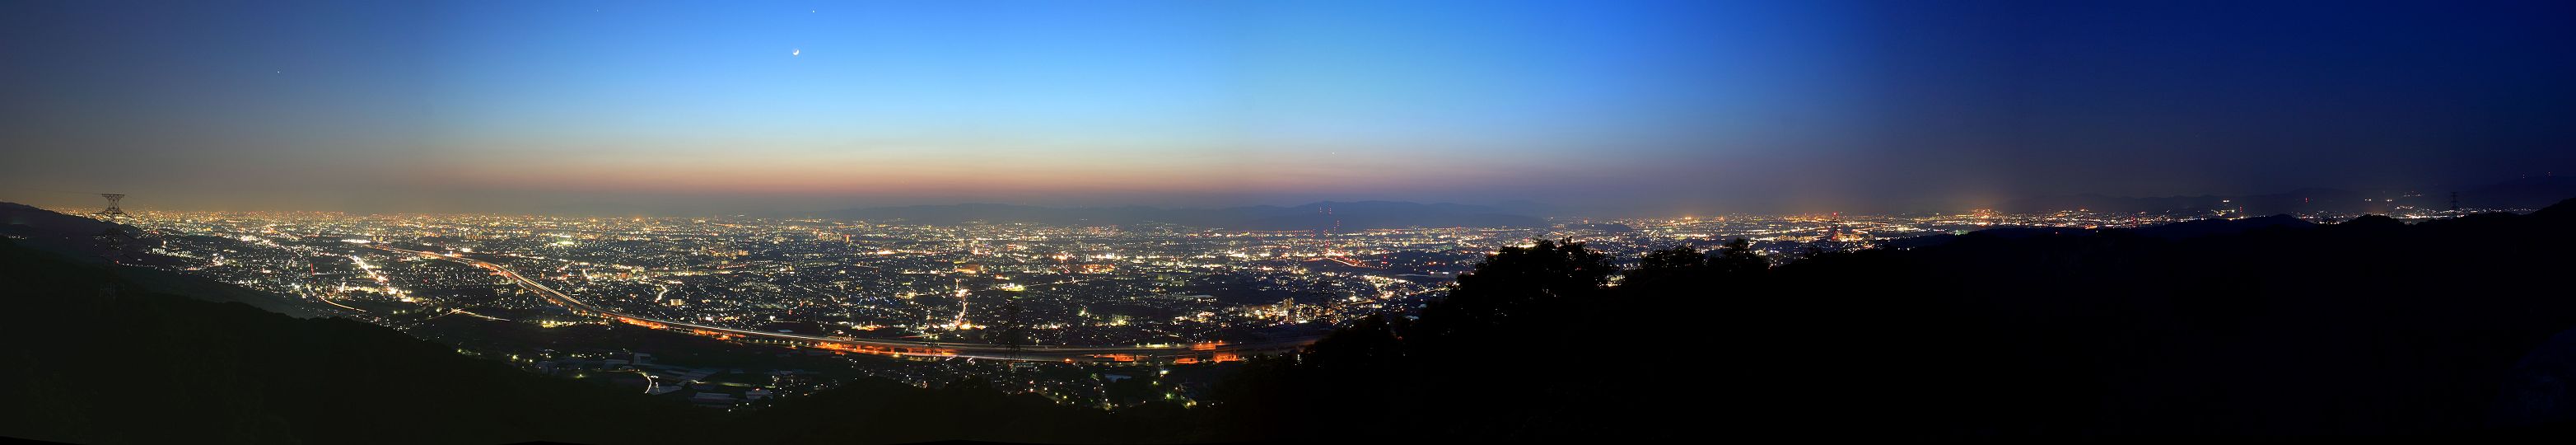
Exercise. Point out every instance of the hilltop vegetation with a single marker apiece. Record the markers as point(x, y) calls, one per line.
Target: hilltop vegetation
point(2369, 326)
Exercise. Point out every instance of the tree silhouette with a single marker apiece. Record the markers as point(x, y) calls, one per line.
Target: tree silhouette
point(1738, 257)
point(1676, 257)
point(1514, 281)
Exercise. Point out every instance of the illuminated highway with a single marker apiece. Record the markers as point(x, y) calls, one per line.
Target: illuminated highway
point(1194, 353)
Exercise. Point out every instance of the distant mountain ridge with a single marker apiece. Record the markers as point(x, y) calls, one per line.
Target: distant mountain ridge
point(1314, 216)
point(2169, 231)
point(2524, 193)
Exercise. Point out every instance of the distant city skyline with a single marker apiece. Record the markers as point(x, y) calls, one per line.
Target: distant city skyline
point(1625, 107)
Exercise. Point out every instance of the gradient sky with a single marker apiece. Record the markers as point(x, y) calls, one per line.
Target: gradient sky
point(1685, 106)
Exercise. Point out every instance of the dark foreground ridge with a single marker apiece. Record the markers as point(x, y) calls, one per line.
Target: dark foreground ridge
point(2370, 326)
point(93, 356)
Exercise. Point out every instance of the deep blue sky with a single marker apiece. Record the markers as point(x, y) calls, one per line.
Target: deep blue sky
point(1660, 107)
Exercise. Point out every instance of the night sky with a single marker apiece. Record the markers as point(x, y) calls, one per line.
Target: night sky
point(1648, 107)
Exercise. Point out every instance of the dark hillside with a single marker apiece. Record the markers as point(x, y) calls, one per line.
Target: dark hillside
point(2365, 327)
point(94, 358)
point(2369, 326)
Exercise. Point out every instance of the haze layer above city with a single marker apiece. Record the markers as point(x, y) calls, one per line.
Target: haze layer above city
point(1619, 109)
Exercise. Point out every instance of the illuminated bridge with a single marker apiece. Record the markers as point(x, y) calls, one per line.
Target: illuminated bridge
point(1177, 354)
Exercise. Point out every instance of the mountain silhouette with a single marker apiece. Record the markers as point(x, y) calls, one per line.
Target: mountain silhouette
point(2208, 227)
point(97, 358)
point(2522, 193)
point(2263, 326)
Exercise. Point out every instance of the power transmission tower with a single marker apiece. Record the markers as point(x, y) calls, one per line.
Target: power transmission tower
point(112, 211)
point(1015, 332)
